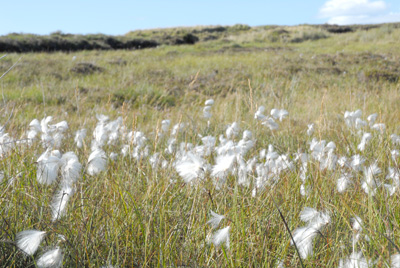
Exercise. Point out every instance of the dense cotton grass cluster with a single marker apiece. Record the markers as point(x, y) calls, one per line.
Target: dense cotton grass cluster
point(215, 161)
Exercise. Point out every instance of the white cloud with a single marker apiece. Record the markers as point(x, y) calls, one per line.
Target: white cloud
point(357, 12)
point(365, 19)
point(334, 8)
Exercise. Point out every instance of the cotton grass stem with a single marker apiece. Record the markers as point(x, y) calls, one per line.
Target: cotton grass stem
point(287, 228)
point(226, 257)
point(9, 69)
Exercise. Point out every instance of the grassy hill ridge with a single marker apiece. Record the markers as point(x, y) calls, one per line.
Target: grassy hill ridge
point(58, 41)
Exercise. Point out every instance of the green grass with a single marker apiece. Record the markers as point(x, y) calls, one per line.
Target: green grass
point(132, 215)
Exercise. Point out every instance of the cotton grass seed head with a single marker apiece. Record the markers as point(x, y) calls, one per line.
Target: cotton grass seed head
point(224, 165)
point(189, 167)
point(343, 182)
point(270, 123)
point(47, 167)
point(165, 125)
point(70, 168)
point(357, 223)
point(51, 259)
point(97, 162)
point(310, 129)
point(80, 135)
point(395, 261)
point(29, 240)
point(303, 237)
point(209, 102)
point(221, 236)
point(215, 219)
point(207, 112)
point(259, 115)
point(355, 260)
point(60, 201)
point(315, 218)
point(279, 114)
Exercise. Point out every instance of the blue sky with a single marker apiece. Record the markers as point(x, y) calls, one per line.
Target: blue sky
point(121, 16)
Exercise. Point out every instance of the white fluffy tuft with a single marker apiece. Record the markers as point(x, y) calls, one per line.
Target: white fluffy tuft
point(97, 162)
point(51, 259)
point(189, 167)
point(47, 169)
point(215, 219)
point(221, 236)
point(29, 240)
point(60, 201)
